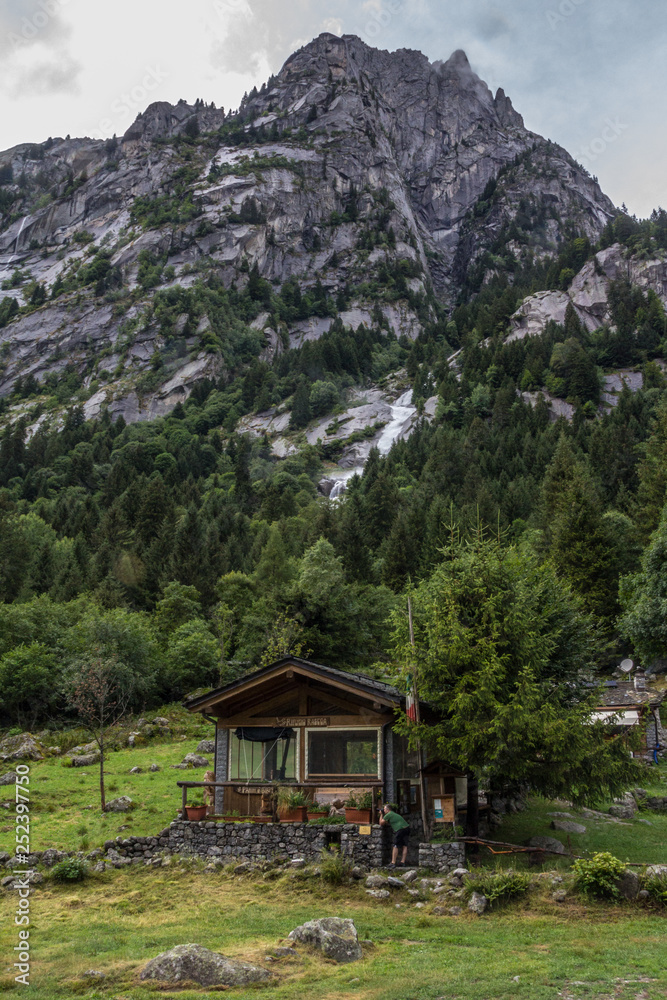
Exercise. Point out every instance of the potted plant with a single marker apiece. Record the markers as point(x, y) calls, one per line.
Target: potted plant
point(196, 811)
point(292, 805)
point(316, 811)
point(359, 808)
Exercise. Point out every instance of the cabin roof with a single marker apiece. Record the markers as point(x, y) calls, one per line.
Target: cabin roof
point(359, 684)
point(623, 694)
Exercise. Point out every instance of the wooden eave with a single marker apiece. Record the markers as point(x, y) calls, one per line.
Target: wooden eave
point(265, 690)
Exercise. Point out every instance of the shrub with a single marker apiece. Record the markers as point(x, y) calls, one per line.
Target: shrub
point(361, 801)
point(327, 821)
point(335, 867)
point(292, 798)
point(656, 886)
point(599, 875)
point(70, 870)
point(498, 886)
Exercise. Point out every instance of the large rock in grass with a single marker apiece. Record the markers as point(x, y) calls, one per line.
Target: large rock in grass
point(195, 964)
point(567, 826)
point(8, 779)
point(624, 808)
point(87, 760)
point(22, 747)
point(548, 844)
point(478, 903)
point(335, 937)
point(206, 746)
point(629, 885)
point(122, 805)
point(195, 760)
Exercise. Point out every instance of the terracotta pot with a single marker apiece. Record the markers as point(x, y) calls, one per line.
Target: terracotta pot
point(297, 815)
point(313, 814)
point(362, 816)
point(262, 819)
point(195, 814)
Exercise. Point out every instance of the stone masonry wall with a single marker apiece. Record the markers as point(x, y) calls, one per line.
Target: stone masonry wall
point(442, 858)
point(257, 842)
point(228, 841)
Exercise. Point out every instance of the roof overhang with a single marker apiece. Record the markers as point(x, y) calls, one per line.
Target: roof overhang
point(293, 669)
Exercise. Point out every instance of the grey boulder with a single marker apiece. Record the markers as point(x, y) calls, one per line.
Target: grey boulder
point(335, 937)
point(206, 746)
point(478, 903)
point(549, 844)
point(86, 761)
point(624, 808)
point(121, 805)
point(567, 826)
point(8, 779)
point(628, 885)
point(193, 963)
point(195, 760)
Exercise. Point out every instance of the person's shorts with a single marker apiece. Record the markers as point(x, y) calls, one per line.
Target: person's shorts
point(401, 837)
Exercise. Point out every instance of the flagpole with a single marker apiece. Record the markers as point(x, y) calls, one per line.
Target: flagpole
point(422, 781)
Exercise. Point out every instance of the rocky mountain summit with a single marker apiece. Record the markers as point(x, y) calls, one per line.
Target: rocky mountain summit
point(372, 181)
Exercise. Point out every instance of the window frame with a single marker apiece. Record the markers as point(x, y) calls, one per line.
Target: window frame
point(337, 778)
point(259, 781)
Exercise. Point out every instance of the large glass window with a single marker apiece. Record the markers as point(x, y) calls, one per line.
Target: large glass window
point(334, 753)
point(270, 761)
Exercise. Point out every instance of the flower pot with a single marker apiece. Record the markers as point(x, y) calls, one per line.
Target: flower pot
point(195, 814)
point(358, 816)
point(262, 819)
point(314, 814)
point(297, 815)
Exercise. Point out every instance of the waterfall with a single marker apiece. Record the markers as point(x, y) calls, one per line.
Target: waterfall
point(402, 417)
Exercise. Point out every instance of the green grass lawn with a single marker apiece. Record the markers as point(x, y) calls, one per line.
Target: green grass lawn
point(642, 839)
point(65, 802)
point(119, 920)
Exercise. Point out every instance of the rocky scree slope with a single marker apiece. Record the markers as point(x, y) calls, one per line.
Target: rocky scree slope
point(378, 178)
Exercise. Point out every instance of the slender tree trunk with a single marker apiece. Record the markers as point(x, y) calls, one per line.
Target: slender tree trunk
point(102, 795)
point(472, 814)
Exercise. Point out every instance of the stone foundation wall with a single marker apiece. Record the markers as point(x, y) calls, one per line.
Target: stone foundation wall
point(227, 841)
point(257, 842)
point(442, 858)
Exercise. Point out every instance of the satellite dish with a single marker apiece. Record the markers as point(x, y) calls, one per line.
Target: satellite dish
point(627, 666)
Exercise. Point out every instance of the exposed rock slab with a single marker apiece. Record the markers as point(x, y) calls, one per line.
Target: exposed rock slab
point(335, 937)
point(195, 964)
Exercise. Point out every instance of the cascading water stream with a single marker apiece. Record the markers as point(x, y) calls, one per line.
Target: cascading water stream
point(402, 415)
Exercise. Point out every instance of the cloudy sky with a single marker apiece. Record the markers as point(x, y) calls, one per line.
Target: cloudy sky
point(589, 74)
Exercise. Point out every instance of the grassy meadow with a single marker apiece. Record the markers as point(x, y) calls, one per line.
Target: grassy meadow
point(529, 950)
point(116, 921)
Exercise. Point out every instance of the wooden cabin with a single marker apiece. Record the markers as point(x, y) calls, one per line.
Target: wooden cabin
point(633, 703)
point(309, 726)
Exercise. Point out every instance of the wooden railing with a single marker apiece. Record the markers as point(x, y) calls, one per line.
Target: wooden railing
point(268, 786)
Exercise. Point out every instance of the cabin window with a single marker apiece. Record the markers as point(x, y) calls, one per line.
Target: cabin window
point(336, 753)
point(272, 760)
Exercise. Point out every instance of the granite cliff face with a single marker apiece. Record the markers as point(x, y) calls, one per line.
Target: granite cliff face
point(350, 167)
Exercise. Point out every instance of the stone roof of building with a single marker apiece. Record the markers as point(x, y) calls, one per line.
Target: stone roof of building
point(623, 694)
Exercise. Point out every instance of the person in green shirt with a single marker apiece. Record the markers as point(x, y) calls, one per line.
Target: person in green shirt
point(401, 831)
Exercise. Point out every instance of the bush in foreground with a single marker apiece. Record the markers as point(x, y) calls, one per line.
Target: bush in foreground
point(599, 875)
point(70, 870)
point(498, 886)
